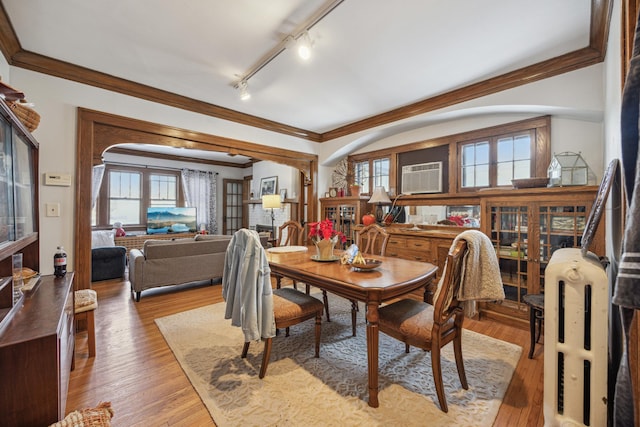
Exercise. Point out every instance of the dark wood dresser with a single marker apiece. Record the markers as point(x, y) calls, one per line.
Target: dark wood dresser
point(36, 355)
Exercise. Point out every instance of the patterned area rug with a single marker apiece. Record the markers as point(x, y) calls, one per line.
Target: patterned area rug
point(300, 390)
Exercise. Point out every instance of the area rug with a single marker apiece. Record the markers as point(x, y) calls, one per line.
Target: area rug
point(300, 390)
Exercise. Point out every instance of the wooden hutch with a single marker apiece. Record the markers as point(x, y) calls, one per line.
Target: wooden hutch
point(36, 326)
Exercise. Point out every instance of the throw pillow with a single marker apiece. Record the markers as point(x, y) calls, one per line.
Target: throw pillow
point(102, 238)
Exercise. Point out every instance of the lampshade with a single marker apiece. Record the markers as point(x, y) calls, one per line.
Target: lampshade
point(380, 196)
point(271, 201)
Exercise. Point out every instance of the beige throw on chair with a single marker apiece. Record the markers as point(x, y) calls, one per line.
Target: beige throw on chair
point(481, 279)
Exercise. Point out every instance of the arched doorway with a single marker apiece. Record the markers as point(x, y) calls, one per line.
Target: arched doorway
point(98, 131)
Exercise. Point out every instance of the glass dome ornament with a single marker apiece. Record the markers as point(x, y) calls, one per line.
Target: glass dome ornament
point(567, 168)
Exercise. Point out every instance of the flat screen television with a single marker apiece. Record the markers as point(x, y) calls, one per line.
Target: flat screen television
point(163, 220)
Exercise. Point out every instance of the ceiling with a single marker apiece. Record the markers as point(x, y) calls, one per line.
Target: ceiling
point(370, 58)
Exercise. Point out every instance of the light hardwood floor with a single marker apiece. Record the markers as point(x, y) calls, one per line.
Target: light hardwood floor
point(136, 371)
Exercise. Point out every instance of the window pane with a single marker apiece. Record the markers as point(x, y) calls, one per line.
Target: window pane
point(124, 184)
point(505, 149)
point(468, 176)
point(505, 173)
point(125, 211)
point(362, 176)
point(482, 176)
point(522, 147)
point(468, 155)
point(381, 173)
point(482, 153)
point(522, 169)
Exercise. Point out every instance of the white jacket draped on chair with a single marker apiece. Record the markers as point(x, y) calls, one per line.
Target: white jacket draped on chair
point(250, 306)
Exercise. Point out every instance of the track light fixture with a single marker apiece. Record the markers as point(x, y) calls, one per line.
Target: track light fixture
point(302, 41)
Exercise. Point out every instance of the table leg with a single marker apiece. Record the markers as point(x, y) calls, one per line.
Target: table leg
point(372, 352)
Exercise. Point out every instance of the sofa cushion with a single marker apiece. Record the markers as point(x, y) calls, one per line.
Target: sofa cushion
point(158, 249)
point(101, 238)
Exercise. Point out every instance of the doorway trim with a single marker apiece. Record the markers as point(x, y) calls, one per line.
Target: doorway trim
point(98, 131)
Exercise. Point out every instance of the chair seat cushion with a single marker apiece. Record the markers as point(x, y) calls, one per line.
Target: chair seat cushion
point(409, 318)
point(85, 300)
point(289, 303)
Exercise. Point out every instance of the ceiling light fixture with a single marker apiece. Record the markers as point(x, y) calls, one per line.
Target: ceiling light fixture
point(243, 87)
point(301, 38)
point(304, 46)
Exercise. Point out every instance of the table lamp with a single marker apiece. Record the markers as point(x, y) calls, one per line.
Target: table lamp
point(379, 197)
point(271, 201)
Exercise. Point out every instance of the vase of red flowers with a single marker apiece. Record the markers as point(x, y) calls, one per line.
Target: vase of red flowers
point(325, 237)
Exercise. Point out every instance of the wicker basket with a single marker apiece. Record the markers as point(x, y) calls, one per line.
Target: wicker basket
point(28, 116)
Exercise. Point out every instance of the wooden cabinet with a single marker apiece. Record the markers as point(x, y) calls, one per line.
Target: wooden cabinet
point(345, 212)
point(427, 245)
point(36, 355)
point(526, 227)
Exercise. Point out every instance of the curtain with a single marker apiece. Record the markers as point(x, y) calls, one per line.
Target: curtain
point(200, 189)
point(96, 182)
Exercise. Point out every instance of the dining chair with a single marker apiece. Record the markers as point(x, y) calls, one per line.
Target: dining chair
point(289, 234)
point(371, 240)
point(431, 327)
point(253, 305)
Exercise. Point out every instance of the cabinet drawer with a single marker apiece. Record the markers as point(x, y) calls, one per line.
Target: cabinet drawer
point(423, 245)
point(395, 245)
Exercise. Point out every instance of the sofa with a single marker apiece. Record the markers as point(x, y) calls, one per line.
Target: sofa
point(173, 262)
point(108, 261)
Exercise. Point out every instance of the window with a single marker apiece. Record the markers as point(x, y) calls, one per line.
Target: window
point(372, 173)
point(495, 161)
point(125, 197)
point(127, 191)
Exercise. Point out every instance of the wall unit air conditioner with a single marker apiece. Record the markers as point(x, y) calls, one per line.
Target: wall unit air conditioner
point(422, 178)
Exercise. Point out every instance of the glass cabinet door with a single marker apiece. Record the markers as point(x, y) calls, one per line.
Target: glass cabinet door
point(7, 231)
point(509, 234)
point(24, 189)
point(561, 226)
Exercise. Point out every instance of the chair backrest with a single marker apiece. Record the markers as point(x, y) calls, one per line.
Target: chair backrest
point(447, 296)
point(293, 236)
point(368, 238)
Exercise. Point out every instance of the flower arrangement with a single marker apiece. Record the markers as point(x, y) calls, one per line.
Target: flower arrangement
point(324, 230)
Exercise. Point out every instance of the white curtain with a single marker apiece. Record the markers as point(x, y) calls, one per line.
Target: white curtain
point(96, 181)
point(200, 192)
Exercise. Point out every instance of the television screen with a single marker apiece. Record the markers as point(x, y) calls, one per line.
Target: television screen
point(162, 220)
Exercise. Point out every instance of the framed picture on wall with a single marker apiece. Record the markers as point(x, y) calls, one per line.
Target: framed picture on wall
point(283, 194)
point(268, 185)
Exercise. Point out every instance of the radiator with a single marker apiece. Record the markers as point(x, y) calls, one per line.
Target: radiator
point(575, 340)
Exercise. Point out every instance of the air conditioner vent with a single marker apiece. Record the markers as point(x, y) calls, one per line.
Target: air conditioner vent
point(422, 178)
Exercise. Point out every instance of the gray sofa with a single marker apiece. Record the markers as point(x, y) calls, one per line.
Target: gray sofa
point(174, 262)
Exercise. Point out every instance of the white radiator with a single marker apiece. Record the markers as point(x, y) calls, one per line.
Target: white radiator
point(576, 310)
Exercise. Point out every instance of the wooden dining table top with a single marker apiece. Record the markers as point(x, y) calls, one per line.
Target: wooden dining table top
point(393, 278)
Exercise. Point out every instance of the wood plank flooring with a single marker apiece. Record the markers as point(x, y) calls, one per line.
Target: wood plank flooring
point(136, 371)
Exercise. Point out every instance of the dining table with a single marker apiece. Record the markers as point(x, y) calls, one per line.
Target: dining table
point(391, 279)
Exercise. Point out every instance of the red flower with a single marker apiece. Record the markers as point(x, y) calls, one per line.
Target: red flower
point(324, 230)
